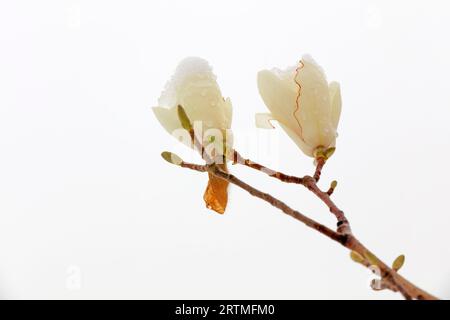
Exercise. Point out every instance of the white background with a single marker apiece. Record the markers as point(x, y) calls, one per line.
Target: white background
point(88, 209)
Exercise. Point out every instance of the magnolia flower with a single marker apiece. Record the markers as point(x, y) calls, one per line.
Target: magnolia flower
point(303, 103)
point(194, 87)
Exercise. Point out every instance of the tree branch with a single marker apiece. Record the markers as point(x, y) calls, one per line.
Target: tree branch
point(268, 198)
point(237, 158)
point(390, 279)
point(320, 163)
point(309, 182)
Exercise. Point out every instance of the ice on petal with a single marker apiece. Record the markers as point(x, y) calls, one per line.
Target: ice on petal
point(186, 69)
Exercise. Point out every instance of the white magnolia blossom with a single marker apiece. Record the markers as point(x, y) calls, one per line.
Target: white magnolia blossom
point(194, 87)
point(303, 103)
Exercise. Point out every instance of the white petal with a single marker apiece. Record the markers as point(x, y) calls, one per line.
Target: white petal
point(278, 92)
point(336, 103)
point(228, 112)
point(314, 104)
point(168, 118)
point(262, 120)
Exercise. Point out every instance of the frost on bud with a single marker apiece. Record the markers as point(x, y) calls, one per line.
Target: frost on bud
point(172, 158)
point(356, 257)
point(192, 101)
point(398, 262)
point(184, 119)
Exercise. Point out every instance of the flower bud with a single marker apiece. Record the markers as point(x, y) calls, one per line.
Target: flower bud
point(302, 101)
point(194, 88)
point(172, 158)
point(398, 262)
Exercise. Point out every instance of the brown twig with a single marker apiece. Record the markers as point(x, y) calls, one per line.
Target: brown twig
point(391, 279)
point(342, 222)
point(307, 181)
point(195, 167)
point(343, 225)
point(268, 198)
point(320, 163)
point(238, 159)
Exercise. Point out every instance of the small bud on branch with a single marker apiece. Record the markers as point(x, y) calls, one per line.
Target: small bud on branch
point(373, 260)
point(356, 257)
point(172, 158)
point(333, 186)
point(398, 262)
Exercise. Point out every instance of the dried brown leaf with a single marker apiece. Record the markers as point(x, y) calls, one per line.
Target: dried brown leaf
point(216, 193)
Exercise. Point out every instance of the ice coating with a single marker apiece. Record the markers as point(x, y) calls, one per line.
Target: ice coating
point(194, 87)
point(186, 69)
point(290, 72)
